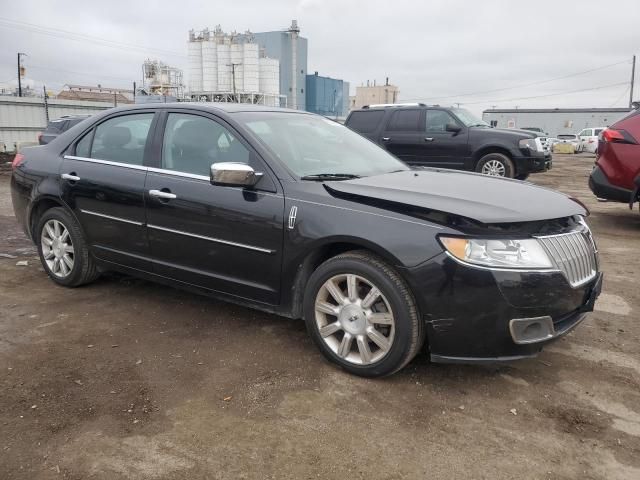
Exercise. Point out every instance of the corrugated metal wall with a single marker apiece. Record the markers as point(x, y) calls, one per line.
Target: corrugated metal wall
point(326, 96)
point(21, 119)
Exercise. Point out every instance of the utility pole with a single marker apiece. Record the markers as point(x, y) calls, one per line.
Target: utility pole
point(46, 103)
point(233, 76)
point(633, 78)
point(20, 73)
point(134, 92)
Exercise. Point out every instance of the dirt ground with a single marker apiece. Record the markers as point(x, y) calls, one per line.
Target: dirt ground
point(128, 379)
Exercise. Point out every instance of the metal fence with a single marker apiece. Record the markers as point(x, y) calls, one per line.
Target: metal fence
point(21, 119)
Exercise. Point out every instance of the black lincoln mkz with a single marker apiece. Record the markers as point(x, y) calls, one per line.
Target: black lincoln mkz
point(295, 214)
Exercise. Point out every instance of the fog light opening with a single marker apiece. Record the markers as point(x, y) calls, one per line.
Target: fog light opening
point(531, 330)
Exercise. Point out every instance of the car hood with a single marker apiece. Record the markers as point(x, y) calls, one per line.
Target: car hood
point(479, 197)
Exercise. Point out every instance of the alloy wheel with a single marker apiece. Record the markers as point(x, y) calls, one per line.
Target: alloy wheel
point(57, 248)
point(354, 319)
point(494, 168)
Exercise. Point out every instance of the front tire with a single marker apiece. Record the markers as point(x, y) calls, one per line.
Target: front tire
point(63, 250)
point(496, 165)
point(362, 316)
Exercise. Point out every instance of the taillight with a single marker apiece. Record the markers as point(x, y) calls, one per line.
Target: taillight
point(17, 160)
point(617, 136)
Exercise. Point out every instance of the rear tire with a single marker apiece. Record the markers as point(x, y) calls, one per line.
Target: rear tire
point(496, 165)
point(63, 250)
point(362, 316)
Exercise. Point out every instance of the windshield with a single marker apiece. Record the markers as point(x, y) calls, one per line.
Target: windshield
point(311, 145)
point(468, 118)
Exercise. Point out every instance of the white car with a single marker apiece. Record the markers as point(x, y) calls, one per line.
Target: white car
point(571, 138)
point(589, 139)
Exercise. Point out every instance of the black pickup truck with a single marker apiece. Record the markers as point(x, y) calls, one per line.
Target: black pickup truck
point(434, 136)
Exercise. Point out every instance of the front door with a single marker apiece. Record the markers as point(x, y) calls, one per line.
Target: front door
point(444, 148)
point(225, 239)
point(103, 183)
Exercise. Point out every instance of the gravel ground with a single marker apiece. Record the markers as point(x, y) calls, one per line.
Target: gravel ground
point(128, 379)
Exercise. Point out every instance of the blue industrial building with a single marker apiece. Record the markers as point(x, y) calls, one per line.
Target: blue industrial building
point(291, 49)
point(327, 96)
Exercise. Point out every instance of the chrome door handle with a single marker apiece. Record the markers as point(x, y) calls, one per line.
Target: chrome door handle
point(70, 177)
point(163, 195)
point(428, 139)
point(385, 139)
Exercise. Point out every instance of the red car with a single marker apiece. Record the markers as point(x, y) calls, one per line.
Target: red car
point(616, 175)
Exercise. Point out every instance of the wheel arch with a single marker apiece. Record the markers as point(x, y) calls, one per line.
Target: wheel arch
point(481, 152)
point(319, 253)
point(39, 207)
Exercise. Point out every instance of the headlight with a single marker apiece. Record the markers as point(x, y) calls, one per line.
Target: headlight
point(529, 143)
point(527, 253)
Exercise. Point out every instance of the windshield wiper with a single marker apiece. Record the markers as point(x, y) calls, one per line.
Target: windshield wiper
point(330, 176)
point(479, 125)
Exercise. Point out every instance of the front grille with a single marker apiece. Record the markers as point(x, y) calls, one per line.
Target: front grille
point(574, 254)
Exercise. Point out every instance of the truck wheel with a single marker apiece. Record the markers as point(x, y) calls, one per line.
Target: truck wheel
point(362, 315)
point(496, 165)
point(63, 250)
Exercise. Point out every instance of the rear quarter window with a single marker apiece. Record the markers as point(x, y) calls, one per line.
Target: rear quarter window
point(365, 122)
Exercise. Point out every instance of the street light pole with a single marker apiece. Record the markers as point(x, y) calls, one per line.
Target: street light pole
point(633, 78)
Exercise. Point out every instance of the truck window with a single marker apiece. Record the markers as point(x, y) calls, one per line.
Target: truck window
point(365, 122)
point(405, 121)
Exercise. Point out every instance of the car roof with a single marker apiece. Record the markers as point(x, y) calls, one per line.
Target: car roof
point(226, 107)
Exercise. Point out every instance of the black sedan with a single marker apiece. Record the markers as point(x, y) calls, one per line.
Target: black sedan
point(292, 213)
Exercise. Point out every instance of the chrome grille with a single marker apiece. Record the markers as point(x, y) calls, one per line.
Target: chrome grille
point(574, 254)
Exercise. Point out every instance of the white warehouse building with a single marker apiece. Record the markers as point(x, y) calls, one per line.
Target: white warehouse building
point(230, 68)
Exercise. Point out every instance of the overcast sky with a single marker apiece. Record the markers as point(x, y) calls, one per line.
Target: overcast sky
point(436, 51)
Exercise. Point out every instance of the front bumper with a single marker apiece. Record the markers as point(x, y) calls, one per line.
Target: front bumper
point(469, 310)
point(533, 164)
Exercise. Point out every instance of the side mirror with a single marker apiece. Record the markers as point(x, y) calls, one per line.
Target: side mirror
point(452, 127)
point(234, 174)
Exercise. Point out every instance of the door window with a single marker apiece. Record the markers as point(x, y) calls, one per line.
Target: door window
point(437, 120)
point(405, 121)
point(121, 139)
point(585, 133)
point(192, 143)
point(365, 122)
point(597, 132)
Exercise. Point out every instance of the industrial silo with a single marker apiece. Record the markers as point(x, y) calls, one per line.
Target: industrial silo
point(194, 59)
point(224, 66)
point(269, 83)
point(237, 71)
point(250, 67)
point(209, 66)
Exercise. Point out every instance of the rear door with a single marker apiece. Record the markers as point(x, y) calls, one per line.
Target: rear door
point(226, 239)
point(441, 147)
point(403, 135)
point(103, 183)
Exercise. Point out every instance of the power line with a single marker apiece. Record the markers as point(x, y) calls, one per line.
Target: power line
point(79, 37)
point(622, 95)
point(540, 82)
point(547, 95)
